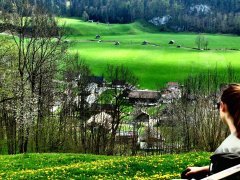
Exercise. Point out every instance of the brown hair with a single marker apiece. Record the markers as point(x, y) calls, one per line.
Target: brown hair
point(231, 97)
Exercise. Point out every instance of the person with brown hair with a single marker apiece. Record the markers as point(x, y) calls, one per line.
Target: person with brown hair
point(229, 108)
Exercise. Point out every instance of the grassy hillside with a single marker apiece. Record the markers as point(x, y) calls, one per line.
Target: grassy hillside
point(77, 166)
point(155, 63)
point(76, 27)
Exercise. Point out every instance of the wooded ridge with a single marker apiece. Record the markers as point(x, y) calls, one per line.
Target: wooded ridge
point(170, 15)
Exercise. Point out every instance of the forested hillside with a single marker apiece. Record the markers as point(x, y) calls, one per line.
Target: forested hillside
point(175, 15)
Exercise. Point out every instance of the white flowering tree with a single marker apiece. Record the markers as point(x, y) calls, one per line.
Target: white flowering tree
point(37, 44)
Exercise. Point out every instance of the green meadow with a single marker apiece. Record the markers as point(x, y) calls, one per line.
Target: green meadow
point(79, 166)
point(155, 63)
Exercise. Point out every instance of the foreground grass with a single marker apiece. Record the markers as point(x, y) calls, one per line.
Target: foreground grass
point(77, 166)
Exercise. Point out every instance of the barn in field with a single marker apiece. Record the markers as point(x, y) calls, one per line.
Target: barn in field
point(146, 97)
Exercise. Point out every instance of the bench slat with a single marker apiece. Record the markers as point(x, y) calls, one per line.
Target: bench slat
point(224, 173)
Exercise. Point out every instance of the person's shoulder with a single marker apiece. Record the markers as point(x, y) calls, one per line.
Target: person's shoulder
point(230, 144)
point(233, 136)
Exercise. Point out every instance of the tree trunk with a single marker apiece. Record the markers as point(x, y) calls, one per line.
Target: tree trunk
point(1, 131)
point(40, 114)
point(21, 119)
point(111, 144)
point(11, 134)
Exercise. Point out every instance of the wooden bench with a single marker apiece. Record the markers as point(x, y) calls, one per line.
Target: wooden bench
point(223, 174)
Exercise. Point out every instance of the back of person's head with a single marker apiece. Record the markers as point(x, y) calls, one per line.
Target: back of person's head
point(231, 97)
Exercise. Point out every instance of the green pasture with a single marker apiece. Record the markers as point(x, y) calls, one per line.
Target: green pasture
point(78, 166)
point(156, 63)
point(152, 65)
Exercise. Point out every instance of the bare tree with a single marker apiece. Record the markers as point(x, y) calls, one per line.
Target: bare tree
point(83, 73)
point(77, 74)
point(7, 95)
point(202, 42)
point(122, 81)
point(38, 41)
point(196, 114)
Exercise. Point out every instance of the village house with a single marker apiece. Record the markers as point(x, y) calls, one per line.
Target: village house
point(171, 92)
point(117, 83)
point(101, 119)
point(98, 108)
point(142, 117)
point(99, 80)
point(151, 138)
point(145, 97)
point(173, 86)
point(125, 137)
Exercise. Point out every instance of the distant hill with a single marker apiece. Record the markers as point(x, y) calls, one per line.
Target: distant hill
point(214, 16)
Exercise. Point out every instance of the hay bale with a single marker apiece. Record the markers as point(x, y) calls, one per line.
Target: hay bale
point(178, 46)
point(145, 43)
point(66, 41)
point(98, 36)
point(117, 43)
point(171, 42)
